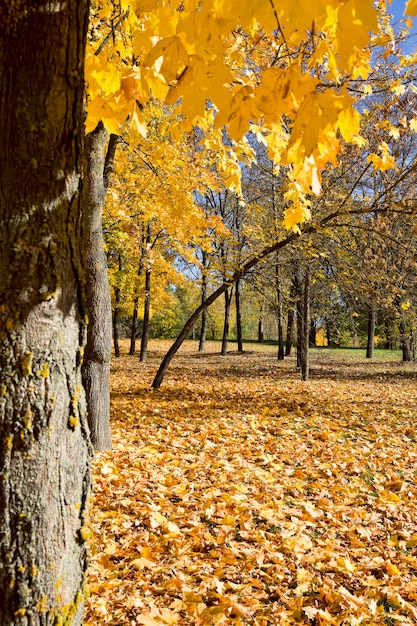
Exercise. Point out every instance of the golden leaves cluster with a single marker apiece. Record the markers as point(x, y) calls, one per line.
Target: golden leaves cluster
point(277, 64)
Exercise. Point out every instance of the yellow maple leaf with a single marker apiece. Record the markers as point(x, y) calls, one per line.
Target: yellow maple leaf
point(384, 162)
point(173, 54)
point(411, 8)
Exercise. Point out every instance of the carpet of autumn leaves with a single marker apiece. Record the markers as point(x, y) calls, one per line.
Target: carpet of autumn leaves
point(239, 495)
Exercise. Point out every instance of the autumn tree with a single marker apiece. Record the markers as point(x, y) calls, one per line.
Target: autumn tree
point(162, 54)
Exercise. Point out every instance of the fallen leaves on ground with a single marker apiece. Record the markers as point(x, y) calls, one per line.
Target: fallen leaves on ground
point(240, 495)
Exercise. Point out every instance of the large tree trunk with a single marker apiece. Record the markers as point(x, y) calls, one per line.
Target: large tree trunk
point(45, 443)
point(239, 335)
point(227, 302)
point(147, 303)
point(96, 364)
point(371, 331)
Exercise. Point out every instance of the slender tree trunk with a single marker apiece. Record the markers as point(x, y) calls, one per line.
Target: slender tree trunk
point(45, 447)
point(146, 316)
point(239, 336)
point(290, 320)
point(203, 328)
point(299, 312)
point(371, 331)
point(260, 328)
point(117, 298)
point(304, 360)
point(280, 326)
point(203, 331)
point(96, 363)
point(290, 332)
point(312, 340)
point(227, 302)
point(116, 323)
point(405, 341)
point(147, 303)
point(133, 330)
point(136, 300)
point(329, 333)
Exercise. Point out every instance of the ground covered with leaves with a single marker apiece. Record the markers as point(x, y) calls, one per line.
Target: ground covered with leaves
point(239, 495)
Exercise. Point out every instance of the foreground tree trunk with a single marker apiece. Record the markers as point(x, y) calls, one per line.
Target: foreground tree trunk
point(96, 364)
point(45, 444)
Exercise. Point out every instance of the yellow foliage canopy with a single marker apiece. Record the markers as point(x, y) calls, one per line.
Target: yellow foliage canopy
point(280, 65)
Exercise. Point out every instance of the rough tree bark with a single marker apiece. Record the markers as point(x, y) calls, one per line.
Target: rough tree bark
point(45, 445)
point(96, 364)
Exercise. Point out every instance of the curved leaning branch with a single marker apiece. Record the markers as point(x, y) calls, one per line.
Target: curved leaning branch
point(159, 377)
point(189, 324)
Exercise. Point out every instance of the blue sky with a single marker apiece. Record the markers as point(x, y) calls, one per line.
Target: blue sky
point(397, 9)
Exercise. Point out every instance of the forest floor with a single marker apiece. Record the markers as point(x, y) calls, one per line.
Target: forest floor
point(239, 495)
